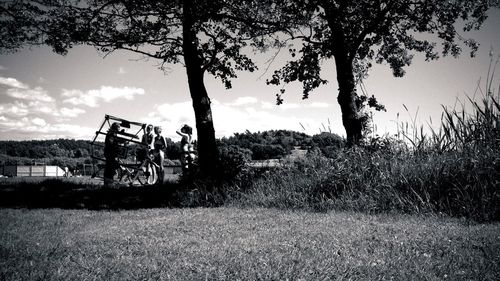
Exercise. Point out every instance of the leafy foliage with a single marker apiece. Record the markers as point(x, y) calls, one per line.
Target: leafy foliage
point(358, 33)
point(152, 29)
point(268, 144)
point(36, 149)
point(232, 162)
point(374, 31)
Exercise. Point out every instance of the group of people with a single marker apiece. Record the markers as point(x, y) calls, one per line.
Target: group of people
point(154, 144)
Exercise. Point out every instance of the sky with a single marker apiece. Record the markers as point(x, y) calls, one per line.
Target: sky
point(47, 96)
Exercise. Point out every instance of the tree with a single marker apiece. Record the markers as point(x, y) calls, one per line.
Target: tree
point(357, 32)
point(200, 34)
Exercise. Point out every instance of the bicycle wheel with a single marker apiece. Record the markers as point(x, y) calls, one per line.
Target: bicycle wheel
point(124, 176)
point(148, 175)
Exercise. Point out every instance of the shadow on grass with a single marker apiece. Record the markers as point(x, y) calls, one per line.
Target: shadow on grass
point(55, 193)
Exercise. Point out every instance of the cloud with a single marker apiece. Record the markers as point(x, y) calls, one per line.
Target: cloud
point(13, 83)
point(319, 105)
point(92, 98)
point(267, 105)
point(29, 102)
point(121, 70)
point(243, 101)
point(34, 114)
point(21, 91)
point(171, 117)
point(228, 117)
point(36, 94)
point(39, 122)
point(229, 120)
point(26, 100)
point(286, 106)
point(2, 67)
point(71, 112)
point(15, 109)
point(38, 128)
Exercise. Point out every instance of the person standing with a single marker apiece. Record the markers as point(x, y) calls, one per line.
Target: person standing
point(187, 147)
point(159, 150)
point(111, 151)
point(147, 140)
point(143, 152)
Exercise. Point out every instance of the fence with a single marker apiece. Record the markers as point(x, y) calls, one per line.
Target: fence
point(32, 171)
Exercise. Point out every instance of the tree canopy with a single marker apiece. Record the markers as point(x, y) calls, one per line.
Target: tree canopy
point(200, 34)
point(360, 32)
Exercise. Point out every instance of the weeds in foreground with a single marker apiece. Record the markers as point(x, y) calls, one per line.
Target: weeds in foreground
point(458, 184)
point(454, 170)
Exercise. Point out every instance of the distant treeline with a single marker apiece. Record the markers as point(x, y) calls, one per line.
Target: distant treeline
point(278, 143)
point(262, 145)
point(37, 149)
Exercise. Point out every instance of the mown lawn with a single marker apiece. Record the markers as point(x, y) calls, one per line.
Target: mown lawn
point(242, 244)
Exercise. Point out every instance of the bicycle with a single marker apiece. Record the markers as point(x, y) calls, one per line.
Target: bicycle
point(143, 173)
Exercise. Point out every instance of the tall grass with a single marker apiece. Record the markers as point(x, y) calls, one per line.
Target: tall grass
point(394, 180)
point(454, 169)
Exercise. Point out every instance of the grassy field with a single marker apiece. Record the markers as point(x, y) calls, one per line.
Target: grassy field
point(242, 244)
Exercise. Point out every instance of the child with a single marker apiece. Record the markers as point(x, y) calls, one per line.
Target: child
point(159, 149)
point(187, 154)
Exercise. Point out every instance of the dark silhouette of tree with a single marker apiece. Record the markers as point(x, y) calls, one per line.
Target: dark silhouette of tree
point(200, 34)
point(356, 33)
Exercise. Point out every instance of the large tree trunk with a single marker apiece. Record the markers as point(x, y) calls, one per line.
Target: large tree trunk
point(347, 100)
point(207, 149)
point(345, 77)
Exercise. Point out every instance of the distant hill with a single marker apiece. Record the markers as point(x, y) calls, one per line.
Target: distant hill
point(275, 144)
point(38, 149)
point(69, 152)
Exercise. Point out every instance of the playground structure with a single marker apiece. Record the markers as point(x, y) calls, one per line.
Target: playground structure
point(131, 171)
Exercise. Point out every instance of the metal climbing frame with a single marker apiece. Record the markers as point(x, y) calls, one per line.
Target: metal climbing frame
point(131, 171)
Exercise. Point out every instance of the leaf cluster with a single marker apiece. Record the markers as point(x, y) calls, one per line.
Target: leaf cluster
point(361, 32)
point(152, 29)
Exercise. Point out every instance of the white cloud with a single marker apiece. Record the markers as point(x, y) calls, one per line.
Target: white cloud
point(33, 101)
point(16, 109)
point(319, 105)
point(12, 82)
point(267, 105)
point(92, 98)
point(243, 101)
point(171, 117)
point(38, 128)
point(36, 94)
point(286, 106)
point(228, 118)
point(121, 70)
point(71, 112)
point(7, 124)
point(39, 122)
point(49, 109)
